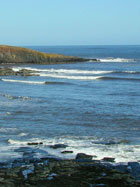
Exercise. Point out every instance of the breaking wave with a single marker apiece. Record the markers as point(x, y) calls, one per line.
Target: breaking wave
point(115, 60)
point(119, 78)
point(21, 81)
point(69, 77)
point(17, 142)
point(72, 71)
point(66, 71)
point(115, 149)
point(28, 82)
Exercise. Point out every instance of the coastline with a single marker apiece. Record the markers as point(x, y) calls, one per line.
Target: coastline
point(81, 171)
point(20, 55)
point(50, 171)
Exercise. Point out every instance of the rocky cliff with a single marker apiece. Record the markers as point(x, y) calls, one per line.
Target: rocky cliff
point(10, 54)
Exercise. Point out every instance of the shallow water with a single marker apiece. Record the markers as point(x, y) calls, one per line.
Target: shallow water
point(93, 107)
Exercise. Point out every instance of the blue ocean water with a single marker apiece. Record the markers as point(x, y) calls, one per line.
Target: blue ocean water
point(93, 107)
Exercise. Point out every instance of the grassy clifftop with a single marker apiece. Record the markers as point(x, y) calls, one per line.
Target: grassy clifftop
point(10, 54)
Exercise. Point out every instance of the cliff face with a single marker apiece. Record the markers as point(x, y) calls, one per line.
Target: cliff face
point(10, 54)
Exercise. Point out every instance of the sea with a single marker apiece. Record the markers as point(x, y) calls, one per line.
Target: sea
point(92, 107)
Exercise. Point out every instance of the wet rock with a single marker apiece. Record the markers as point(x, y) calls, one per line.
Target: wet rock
point(121, 167)
point(51, 176)
point(134, 169)
point(5, 165)
point(108, 159)
point(83, 156)
point(8, 71)
point(35, 143)
point(66, 173)
point(27, 170)
point(100, 185)
point(58, 146)
point(66, 152)
point(25, 150)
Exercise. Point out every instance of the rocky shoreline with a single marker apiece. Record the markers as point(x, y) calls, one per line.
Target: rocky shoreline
point(81, 171)
point(16, 55)
point(7, 71)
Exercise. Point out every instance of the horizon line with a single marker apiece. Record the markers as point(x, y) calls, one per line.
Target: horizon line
point(31, 45)
point(84, 45)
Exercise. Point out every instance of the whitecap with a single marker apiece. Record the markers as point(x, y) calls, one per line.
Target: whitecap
point(21, 81)
point(5, 130)
point(115, 60)
point(16, 69)
point(66, 71)
point(133, 72)
point(17, 142)
point(69, 77)
point(121, 152)
point(23, 134)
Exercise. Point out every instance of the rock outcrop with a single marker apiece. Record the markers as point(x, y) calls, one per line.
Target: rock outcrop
point(10, 54)
point(6, 71)
point(53, 172)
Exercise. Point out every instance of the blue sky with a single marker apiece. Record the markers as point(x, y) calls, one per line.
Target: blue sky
point(70, 22)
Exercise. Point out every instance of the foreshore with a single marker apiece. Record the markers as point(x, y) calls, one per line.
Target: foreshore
point(51, 171)
point(81, 171)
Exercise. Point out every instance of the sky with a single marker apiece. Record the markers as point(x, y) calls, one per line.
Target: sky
point(70, 22)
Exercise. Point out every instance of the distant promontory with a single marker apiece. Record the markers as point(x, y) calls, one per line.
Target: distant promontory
point(17, 55)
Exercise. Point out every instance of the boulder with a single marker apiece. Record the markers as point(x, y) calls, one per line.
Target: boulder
point(66, 152)
point(108, 159)
point(58, 146)
point(83, 156)
point(35, 143)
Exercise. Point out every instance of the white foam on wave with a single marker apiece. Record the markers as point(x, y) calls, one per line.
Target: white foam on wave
point(16, 69)
point(115, 60)
point(24, 142)
point(69, 77)
point(121, 152)
point(76, 71)
point(8, 129)
point(66, 71)
point(132, 72)
point(17, 142)
point(22, 134)
point(21, 81)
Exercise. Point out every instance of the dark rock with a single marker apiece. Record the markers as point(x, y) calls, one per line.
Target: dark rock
point(66, 152)
point(24, 72)
point(58, 146)
point(99, 185)
point(121, 168)
point(83, 156)
point(25, 150)
point(108, 159)
point(134, 169)
point(65, 173)
point(35, 143)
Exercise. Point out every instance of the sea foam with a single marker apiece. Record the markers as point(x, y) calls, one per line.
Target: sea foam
point(21, 81)
point(65, 71)
point(69, 77)
point(115, 60)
